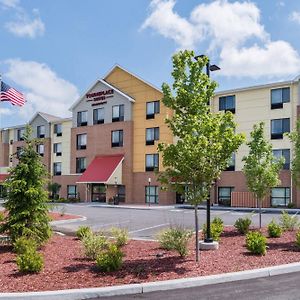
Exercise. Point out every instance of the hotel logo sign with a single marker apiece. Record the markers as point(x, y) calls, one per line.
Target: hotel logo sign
point(99, 97)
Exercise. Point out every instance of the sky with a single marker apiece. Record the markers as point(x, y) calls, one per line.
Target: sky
point(54, 50)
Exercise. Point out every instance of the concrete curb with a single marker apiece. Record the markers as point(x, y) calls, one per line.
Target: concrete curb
point(131, 289)
point(133, 207)
point(68, 221)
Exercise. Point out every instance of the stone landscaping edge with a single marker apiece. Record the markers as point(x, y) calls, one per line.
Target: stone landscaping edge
point(130, 289)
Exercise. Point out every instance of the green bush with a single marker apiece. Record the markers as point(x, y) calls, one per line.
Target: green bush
point(120, 235)
point(2, 217)
point(242, 225)
point(83, 231)
point(175, 239)
point(23, 244)
point(216, 228)
point(298, 239)
point(93, 244)
point(274, 229)
point(110, 259)
point(288, 222)
point(256, 243)
point(30, 261)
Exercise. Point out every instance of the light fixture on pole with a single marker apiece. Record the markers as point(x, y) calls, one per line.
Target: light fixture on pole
point(149, 183)
point(208, 238)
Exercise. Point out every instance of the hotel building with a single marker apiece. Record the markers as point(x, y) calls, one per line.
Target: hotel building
point(108, 148)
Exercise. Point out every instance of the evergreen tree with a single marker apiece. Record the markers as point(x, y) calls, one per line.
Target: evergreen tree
point(206, 140)
point(27, 198)
point(261, 167)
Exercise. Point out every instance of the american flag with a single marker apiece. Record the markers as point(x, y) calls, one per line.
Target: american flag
point(8, 93)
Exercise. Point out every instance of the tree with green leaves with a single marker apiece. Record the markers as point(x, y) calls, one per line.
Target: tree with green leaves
point(206, 140)
point(27, 198)
point(295, 164)
point(261, 167)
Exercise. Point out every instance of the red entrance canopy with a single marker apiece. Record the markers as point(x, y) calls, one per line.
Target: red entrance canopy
point(3, 177)
point(101, 169)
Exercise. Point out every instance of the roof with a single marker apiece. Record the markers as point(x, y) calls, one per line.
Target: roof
point(49, 118)
point(132, 74)
point(3, 177)
point(105, 83)
point(101, 169)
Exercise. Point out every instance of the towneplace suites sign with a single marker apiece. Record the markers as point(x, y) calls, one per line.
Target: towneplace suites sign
point(99, 97)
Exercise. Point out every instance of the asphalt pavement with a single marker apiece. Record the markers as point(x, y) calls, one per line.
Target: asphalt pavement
point(281, 287)
point(143, 223)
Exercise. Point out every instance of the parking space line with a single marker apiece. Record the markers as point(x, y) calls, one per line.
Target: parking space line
point(147, 228)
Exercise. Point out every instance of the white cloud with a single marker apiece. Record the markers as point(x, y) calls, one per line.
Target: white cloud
point(26, 27)
point(295, 16)
point(233, 30)
point(10, 3)
point(44, 90)
point(281, 3)
point(6, 112)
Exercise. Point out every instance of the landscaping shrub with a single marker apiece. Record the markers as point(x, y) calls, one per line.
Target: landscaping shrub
point(242, 225)
point(298, 239)
point(110, 259)
point(216, 228)
point(30, 261)
point(93, 244)
point(175, 239)
point(256, 243)
point(120, 235)
point(83, 231)
point(274, 229)
point(23, 244)
point(288, 222)
point(2, 217)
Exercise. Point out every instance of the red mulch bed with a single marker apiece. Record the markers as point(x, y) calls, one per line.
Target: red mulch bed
point(66, 267)
point(58, 217)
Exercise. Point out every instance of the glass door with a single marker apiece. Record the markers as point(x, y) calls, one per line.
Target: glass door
point(98, 192)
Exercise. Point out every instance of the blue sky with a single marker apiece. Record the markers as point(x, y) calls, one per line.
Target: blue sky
point(54, 50)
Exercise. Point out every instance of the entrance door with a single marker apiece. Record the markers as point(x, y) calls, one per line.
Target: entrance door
point(98, 192)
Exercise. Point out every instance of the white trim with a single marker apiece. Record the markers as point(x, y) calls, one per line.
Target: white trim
point(92, 86)
point(132, 74)
point(44, 117)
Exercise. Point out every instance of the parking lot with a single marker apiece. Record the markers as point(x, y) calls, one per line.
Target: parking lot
point(143, 223)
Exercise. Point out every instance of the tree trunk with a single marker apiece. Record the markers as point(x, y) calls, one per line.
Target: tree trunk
point(197, 232)
point(259, 203)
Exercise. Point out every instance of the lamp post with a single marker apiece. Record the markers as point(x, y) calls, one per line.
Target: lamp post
point(208, 238)
point(149, 183)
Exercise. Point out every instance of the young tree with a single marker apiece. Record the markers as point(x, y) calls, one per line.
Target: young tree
point(295, 165)
point(261, 167)
point(27, 197)
point(206, 140)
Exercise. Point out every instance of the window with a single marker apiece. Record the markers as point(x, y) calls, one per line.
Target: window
point(98, 116)
point(20, 134)
point(72, 191)
point(118, 113)
point(152, 162)
point(152, 134)
point(40, 131)
point(227, 103)
point(57, 149)
point(151, 194)
point(80, 164)
point(40, 149)
point(58, 129)
point(152, 108)
point(224, 196)
point(279, 96)
point(280, 196)
point(231, 166)
point(285, 153)
point(117, 138)
point(81, 141)
point(57, 168)
point(81, 118)
point(279, 127)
